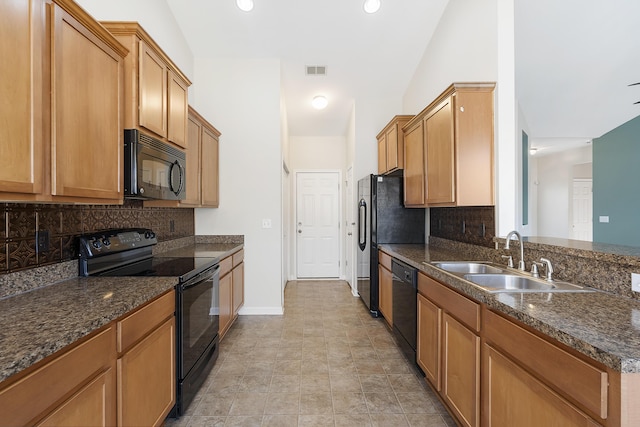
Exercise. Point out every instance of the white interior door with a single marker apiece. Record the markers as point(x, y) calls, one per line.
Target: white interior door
point(317, 224)
point(582, 227)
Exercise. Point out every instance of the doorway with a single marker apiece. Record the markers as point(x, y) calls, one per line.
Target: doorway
point(582, 222)
point(317, 224)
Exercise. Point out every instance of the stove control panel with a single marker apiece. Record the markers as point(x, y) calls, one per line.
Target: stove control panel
point(113, 241)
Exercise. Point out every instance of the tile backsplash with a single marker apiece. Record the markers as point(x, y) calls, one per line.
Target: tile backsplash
point(21, 223)
point(474, 224)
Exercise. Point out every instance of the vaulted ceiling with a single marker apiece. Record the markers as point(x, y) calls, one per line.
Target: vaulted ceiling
point(362, 52)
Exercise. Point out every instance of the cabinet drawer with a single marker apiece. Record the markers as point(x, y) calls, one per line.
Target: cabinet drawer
point(384, 260)
point(226, 265)
point(238, 257)
point(135, 326)
point(460, 307)
point(579, 380)
point(34, 394)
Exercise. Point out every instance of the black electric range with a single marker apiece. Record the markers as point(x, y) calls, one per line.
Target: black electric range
point(129, 252)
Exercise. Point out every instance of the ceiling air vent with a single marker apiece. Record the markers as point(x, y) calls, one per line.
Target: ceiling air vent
point(316, 70)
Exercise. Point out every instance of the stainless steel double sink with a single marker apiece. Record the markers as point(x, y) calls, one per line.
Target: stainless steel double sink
point(493, 278)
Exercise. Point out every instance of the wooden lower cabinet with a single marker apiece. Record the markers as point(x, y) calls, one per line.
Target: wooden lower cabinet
point(146, 379)
point(122, 375)
point(448, 347)
point(77, 387)
point(226, 303)
point(513, 397)
point(231, 290)
point(428, 346)
point(461, 370)
point(91, 406)
point(385, 291)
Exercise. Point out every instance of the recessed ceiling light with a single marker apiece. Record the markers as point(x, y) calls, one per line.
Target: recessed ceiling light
point(371, 6)
point(245, 5)
point(319, 102)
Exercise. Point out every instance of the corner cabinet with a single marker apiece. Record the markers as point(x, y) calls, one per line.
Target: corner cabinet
point(391, 145)
point(57, 135)
point(448, 157)
point(123, 374)
point(448, 347)
point(156, 98)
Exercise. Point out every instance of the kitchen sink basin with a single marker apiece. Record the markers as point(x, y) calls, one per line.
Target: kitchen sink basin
point(467, 267)
point(517, 283)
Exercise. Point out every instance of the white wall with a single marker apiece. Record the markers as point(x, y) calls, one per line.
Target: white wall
point(318, 152)
point(156, 19)
point(242, 99)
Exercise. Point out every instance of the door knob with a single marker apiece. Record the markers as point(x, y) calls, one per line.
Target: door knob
point(349, 234)
point(300, 231)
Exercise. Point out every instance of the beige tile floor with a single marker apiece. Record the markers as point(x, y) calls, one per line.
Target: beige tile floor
point(325, 362)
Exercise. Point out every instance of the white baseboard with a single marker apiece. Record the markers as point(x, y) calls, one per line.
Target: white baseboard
point(257, 311)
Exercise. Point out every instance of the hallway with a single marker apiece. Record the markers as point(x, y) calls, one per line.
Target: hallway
point(325, 362)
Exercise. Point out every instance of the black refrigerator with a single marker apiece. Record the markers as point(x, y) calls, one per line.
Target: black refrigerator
point(382, 218)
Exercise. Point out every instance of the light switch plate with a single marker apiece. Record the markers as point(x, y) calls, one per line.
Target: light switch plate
point(635, 282)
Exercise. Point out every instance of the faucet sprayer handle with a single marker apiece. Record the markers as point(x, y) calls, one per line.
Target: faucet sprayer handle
point(510, 262)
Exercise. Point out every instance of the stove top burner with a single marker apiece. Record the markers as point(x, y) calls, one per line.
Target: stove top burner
point(155, 267)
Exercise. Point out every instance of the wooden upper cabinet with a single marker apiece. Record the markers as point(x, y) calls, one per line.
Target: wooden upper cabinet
point(457, 143)
point(414, 176)
point(155, 93)
point(61, 107)
point(86, 112)
point(210, 168)
point(21, 104)
point(391, 145)
point(194, 135)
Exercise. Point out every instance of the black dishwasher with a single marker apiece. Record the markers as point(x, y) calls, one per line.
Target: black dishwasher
point(405, 295)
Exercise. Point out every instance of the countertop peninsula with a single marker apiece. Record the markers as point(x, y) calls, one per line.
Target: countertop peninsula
point(600, 325)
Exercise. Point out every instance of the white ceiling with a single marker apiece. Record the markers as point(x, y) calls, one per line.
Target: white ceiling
point(574, 62)
point(362, 52)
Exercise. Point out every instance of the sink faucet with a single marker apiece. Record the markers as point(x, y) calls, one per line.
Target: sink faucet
point(521, 265)
point(548, 269)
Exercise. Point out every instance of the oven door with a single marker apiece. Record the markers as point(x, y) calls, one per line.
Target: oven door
point(198, 318)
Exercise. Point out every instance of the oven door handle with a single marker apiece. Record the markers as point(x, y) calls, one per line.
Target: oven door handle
point(212, 272)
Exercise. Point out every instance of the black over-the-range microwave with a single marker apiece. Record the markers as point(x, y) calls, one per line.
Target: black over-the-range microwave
point(152, 169)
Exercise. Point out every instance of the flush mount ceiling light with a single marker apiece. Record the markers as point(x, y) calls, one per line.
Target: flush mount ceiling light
point(533, 151)
point(371, 6)
point(245, 5)
point(319, 102)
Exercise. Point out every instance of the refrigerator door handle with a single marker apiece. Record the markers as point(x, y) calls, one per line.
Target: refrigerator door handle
point(362, 224)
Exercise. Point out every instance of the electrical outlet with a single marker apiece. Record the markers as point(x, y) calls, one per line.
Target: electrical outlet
point(635, 282)
point(172, 225)
point(42, 241)
point(266, 223)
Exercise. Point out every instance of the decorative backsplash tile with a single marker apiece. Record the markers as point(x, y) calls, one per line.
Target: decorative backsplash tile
point(474, 224)
point(19, 224)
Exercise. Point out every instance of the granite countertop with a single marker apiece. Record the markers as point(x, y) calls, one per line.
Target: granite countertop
point(600, 325)
point(37, 323)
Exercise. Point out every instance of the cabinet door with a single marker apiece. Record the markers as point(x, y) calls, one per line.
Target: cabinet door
point(428, 346)
point(461, 371)
point(385, 293)
point(87, 132)
point(440, 155)
point(382, 155)
point(414, 177)
point(210, 169)
point(226, 303)
point(177, 109)
point(394, 149)
point(93, 405)
point(194, 134)
point(153, 91)
point(512, 397)
point(21, 105)
point(146, 379)
point(238, 287)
